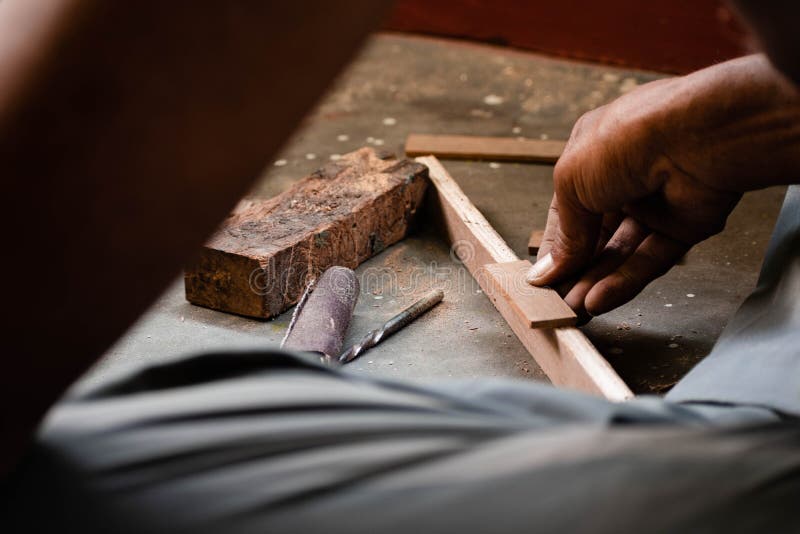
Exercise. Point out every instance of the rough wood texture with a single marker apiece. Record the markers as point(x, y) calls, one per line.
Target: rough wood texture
point(535, 242)
point(258, 262)
point(495, 148)
point(538, 307)
point(564, 353)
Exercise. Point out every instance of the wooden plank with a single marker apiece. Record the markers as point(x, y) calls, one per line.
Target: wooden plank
point(259, 261)
point(494, 148)
point(538, 307)
point(535, 242)
point(563, 353)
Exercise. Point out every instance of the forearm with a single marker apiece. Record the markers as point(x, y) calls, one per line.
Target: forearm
point(127, 131)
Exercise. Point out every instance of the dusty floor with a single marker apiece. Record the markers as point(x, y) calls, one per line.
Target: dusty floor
point(400, 85)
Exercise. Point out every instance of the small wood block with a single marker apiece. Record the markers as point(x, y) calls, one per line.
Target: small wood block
point(259, 261)
point(535, 242)
point(538, 307)
point(491, 148)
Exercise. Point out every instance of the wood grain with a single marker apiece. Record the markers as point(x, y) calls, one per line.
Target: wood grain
point(493, 148)
point(535, 242)
point(538, 307)
point(564, 353)
point(259, 261)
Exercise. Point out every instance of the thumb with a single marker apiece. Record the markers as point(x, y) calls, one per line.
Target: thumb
point(574, 231)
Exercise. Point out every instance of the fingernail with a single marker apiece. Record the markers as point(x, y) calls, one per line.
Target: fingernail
point(539, 269)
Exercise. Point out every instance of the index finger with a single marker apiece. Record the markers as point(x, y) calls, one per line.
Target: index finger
point(570, 236)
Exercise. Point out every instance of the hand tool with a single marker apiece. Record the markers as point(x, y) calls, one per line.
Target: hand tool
point(391, 326)
point(323, 314)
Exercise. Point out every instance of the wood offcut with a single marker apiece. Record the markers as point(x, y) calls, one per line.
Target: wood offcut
point(486, 148)
point(258, 262)
point(564, 353)
point(538, 307)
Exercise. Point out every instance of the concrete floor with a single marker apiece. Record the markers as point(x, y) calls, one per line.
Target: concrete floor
point(400, 85)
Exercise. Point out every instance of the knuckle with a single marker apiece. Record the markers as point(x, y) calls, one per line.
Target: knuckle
point(562, 170)
point(613, 252)
point(565, 247)
point(655, 264)
point(584, 122)
point(628, 278)
point(565, 176)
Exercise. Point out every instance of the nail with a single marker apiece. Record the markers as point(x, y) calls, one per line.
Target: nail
point(539, 269)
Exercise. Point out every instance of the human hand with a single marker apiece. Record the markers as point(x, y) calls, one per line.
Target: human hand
point(648, 176)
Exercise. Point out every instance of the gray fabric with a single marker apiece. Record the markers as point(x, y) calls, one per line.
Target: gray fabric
point(270, 442)
point(757, 359)
point(273, 442)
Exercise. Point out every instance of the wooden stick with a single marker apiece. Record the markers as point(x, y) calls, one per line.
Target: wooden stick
point(495, 148)
point(564, 354)
point(538, 307)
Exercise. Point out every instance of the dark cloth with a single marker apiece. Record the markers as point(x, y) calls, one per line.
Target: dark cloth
point(274, 442)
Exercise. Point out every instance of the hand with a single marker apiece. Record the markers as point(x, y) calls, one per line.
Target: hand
point(645, 178)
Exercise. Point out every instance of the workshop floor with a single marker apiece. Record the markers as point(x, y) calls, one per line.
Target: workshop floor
point(403, 84)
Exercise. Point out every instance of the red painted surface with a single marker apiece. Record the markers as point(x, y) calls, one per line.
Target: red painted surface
point(665, 35)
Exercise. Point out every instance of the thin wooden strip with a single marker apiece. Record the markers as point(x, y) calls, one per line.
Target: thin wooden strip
point(538, 307)
point(494, 148)
point(564, 353)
